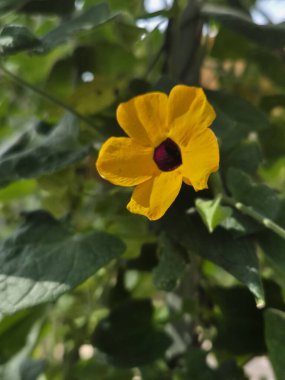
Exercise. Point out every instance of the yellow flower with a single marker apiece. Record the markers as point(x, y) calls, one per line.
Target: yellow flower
point(169, 142)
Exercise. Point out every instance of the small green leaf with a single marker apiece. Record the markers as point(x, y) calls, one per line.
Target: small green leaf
point(212, 213)
point(129, 337)
point(16, 38)
point(275, 338)
point(171, 265)
point(272, 35)
point(43, 260)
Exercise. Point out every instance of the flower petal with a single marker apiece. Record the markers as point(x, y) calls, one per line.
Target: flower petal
point(124, 162)
point(153, 197)
point(189, 113)
point(200, 159)
point(144, 118)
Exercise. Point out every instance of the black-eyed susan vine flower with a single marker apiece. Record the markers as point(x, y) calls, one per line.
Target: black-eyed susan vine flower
point(169, 143)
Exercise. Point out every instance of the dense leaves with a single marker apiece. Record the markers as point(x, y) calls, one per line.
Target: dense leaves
point(53, 261)
point(93, 17)
point(261, 197)
point(274, 330)
point(24, 158)
point(236, 118)
point(128, 324)
point(237, 256)
point(88, 290)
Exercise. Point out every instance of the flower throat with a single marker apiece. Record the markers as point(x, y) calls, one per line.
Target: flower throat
point(167, 156)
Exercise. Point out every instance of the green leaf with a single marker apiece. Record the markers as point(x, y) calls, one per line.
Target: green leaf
point(258, 196)
point(236, 256)
point(93, 17)
point(55, 152)
point(273, 245)
point(273, 139)
point(43, 260)
point(86, 369)
point(7, 5)
point(196, 367)
point(270, 65)
point(31, 369)
point(14, 331)
point(230, 45)
point(211, 212)
point(236, 118)
point(129, 337)
point(18, 190)
point(274, 174)
point(246, 156)
point(13, 368)
point(171, 265)
point(16, 38)
point(275, 338)
point(272, 35)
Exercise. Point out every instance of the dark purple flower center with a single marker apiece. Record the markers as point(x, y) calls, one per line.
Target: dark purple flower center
point(167, 155)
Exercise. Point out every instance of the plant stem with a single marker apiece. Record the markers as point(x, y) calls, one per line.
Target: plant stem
point(216, 184)
point(47, 96)
point(266, 222)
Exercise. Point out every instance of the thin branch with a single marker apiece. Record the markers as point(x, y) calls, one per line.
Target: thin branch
point(246, 210)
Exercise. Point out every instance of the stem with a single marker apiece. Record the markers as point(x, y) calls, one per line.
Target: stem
point(47, 96)
point(154, 61)
point(216, 184)
point(162, 13)
point(266, 222)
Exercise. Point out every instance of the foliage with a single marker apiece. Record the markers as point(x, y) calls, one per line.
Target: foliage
point(88, 290)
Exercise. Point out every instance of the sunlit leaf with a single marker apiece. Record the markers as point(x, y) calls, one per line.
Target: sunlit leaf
point(211, 212)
